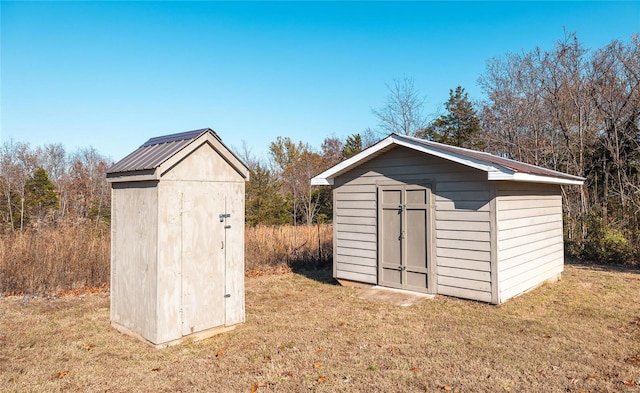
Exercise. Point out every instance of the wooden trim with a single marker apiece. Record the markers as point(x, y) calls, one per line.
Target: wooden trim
point(216, 145)
point(495, 279)
point(432, 274)
point(334, 225)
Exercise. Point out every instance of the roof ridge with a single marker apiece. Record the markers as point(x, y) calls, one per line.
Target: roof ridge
point(180, 136)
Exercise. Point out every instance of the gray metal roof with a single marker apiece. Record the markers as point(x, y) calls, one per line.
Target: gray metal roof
point(157, 150)
point(516, 166)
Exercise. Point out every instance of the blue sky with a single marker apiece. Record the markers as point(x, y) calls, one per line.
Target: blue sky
point(113, 74)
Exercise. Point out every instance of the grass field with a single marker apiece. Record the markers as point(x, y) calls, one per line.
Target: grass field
point(303, 333)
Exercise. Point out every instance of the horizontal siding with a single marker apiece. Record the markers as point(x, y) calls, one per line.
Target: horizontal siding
point(357, 196)
point(462, 226)
point(349, 267)
point(531, 229)
point(359, 236)
point(356, 204)
point(462, 218)
point(353, 228)
point(535, 278)
point(356, 252)
point(533, 239)
point(464, 293)
point(530, 243)
point(464, 264)
point(355, 246)
point(353, 276)
point(355, 220)
point(462, 195)
point(531, 257)
point(483, 236)
point(473, 205)
point(518, 272)
point(463, 283)
point(468, 274)
point(481, 256)
point(528, 212)
point(464, 244)
point(355, 260)
point(527, 222)
point(357, 212)
point(466, 216)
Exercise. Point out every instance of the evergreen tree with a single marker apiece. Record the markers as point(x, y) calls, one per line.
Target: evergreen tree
point(40, 195)
point(264, 202)
point(352, 146)
point(460, 126)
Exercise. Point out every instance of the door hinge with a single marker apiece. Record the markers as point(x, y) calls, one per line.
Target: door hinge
point(227, 295)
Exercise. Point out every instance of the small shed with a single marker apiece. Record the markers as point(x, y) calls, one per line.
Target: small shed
point(177, 239)
point(428, 217)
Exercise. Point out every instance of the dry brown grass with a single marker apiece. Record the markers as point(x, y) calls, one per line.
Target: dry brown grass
point(46, 260)
point(76, 255)
point(300, 245)
point(303, 333)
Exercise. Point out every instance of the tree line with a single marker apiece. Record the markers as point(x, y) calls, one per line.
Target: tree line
point(46, 185)
point(568, 108)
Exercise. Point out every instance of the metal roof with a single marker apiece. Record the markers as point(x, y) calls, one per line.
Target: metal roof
point(513, 165)
point(497, 168)
point(157, 150)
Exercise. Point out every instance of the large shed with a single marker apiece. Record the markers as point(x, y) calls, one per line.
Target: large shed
point(428, 217)
point(177, 238)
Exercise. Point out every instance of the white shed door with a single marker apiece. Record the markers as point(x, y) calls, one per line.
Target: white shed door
point(203, 262)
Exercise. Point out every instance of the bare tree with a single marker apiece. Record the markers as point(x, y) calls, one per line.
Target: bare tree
point(331, 152)
point(579, 112)
point(402, 111)
point(245, 153)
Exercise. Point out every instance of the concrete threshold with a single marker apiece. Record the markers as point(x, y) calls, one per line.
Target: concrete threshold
point(399, 297)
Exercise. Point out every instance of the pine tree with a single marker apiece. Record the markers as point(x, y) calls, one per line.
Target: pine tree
point(40, 195)
point(264, 204)
point(460, 126)
point(352, 146)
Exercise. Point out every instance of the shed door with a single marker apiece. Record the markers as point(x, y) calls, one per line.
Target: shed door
point(403, 237)
point(203, 262)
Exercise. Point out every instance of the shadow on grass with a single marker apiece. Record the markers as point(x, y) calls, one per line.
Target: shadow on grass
point(604, 266)
point(316, 270)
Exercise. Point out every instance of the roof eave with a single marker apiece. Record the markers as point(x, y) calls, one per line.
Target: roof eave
point(531, 178)
point(133, 176)
point(326, 178)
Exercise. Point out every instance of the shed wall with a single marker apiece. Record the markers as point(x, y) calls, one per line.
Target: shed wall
point(530, 239)
point(461, 213)
point(133, 256)
point(202, 186)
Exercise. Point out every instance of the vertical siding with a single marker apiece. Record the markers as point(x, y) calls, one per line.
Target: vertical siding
point(202, 176)
point(530, 243)
point(134, 257)
point(462, 220)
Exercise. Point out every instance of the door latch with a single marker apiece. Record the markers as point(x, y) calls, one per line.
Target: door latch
point(223, 216)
